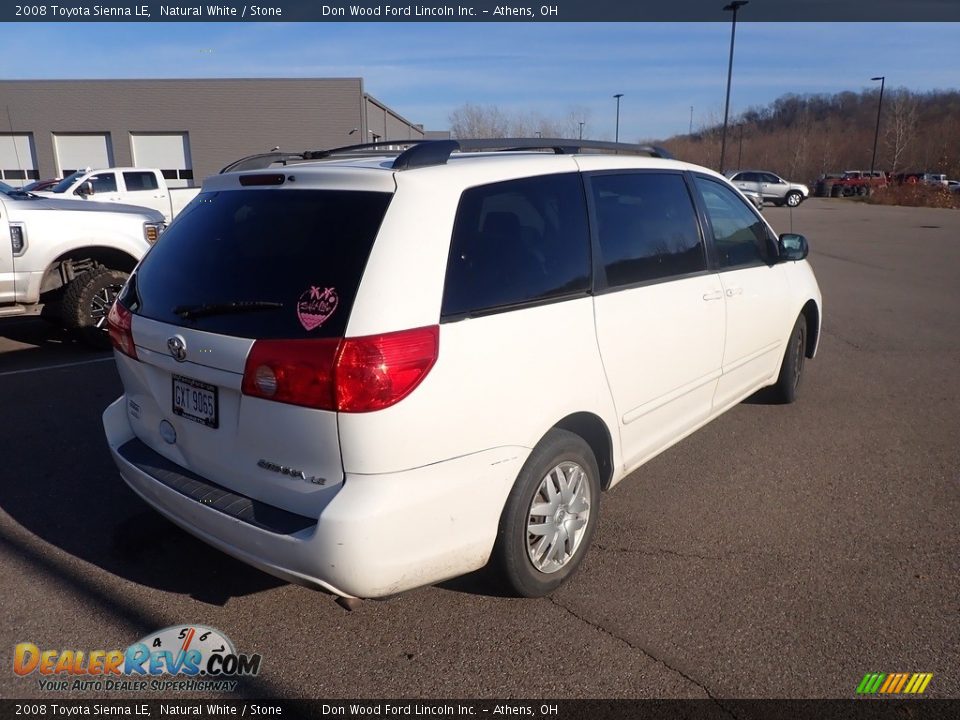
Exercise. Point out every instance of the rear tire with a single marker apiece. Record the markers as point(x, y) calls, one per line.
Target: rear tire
point(550, 516)
point(86, 302)
point(791, 369)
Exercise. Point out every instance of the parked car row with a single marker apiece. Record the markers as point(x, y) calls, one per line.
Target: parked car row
point(145, 187)
point(862, 182)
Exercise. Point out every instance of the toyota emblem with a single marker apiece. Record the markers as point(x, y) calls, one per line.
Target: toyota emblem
point(178, 348)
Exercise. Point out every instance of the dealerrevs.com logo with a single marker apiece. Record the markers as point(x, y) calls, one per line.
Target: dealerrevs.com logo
point(180, 657)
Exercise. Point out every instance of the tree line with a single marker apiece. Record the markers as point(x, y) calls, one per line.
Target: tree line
point(797, 136)
point(804, 136)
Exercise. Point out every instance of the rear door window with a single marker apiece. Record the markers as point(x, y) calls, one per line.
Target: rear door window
point(647, 227)
point(518, 242)
point(138, 181)
point(261, 263)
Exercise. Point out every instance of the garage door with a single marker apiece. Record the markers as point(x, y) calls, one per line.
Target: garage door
point(168, 151)
point(18, 161)
point(77, 151)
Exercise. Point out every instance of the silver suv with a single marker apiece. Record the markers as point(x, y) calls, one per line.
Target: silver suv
point(772, 188)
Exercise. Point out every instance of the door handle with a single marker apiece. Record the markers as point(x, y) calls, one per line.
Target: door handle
point(715, 295)
point(734, 291)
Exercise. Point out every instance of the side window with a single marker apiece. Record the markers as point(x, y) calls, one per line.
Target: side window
point(772, 179)
point(647, 227)
point(136, 181)
point(518, 241)
point(739, 235)
point(104, 183)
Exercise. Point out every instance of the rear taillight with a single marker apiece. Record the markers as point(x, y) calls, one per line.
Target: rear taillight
point(120, 325)
point(298, 372)
point(349, 375)
point(377, 371)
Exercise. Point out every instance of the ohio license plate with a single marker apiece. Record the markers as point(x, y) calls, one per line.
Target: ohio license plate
point(195, 400)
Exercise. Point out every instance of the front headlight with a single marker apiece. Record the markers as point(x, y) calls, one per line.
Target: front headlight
point(153, 230)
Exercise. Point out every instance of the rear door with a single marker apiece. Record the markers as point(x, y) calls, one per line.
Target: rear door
point(239, 267)
point(747, 181)
point(659, 309)
point(143, 188)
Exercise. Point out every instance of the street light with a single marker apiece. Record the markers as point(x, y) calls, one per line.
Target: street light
point(734, 6)
point(876, 133)
point(581, 129)
point(616, 137)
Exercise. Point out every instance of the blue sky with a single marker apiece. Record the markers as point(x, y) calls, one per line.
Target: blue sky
point(424, 71)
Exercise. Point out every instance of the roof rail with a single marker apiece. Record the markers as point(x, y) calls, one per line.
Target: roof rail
point(425, 153)
point(437, 152)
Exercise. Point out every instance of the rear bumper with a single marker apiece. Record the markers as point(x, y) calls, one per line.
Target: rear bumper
point(377, 535)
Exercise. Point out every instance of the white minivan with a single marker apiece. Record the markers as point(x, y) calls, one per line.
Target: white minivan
point(370, 370)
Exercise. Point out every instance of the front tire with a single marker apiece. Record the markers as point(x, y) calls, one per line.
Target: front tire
point(87, 301)
point(794, 198)
point(791, 369)
point(550, 516)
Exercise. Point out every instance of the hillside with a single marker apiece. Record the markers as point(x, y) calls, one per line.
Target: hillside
point(803, 136)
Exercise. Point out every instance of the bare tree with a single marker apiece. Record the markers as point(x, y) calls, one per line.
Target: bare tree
point(489, 121)
point(901, 125)
point(479, 121)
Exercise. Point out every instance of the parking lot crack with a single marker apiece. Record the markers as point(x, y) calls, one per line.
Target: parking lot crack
point(644, 652)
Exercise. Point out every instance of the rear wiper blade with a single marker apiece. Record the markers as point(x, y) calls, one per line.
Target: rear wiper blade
point(188, 312)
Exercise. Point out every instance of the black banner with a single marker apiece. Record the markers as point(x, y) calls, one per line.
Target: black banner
point(479, 11)
point(859, 709)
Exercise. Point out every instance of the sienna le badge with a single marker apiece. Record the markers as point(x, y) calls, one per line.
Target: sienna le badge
point(315, 306)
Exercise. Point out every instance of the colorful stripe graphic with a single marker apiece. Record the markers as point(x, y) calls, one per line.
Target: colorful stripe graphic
point(894, 683)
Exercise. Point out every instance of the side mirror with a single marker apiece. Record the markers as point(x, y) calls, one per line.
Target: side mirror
point(86, 188)
point(792, 247)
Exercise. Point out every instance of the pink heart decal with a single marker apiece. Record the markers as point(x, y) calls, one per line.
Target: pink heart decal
point(315, 307)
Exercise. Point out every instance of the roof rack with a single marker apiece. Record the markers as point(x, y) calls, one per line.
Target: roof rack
point(425, 153)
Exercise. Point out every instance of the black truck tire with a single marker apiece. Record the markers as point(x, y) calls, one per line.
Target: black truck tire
point(87, 301)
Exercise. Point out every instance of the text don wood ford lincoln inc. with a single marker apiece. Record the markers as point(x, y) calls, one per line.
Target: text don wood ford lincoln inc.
point(180, 657)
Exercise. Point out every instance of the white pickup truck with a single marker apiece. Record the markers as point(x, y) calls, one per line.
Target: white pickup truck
point(144, 187)
point(67, 259)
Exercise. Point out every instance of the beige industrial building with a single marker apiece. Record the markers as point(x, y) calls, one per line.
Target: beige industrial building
point(189, 129)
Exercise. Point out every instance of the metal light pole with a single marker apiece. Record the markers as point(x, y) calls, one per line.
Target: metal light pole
point(691, 120)
point(581, 129)
point(616, 137)
point(876, 133)
point(734, 6)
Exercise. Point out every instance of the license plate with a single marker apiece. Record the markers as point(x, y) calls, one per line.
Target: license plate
point(195, 400)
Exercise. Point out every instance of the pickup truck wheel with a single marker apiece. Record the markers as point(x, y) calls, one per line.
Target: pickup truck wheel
point(794, 198)
point(791, 369)
point(86, 303)
point(549, 517)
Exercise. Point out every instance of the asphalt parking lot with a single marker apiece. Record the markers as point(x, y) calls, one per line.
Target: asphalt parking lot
point(781, 551)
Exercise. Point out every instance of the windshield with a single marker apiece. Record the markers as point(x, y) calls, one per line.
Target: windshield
point(6, 189)
point(64, 185)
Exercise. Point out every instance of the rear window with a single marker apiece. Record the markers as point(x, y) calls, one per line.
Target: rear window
point(261, 263)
